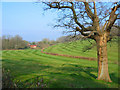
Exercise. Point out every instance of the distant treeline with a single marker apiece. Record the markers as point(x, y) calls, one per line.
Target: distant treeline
point(13, 42)
point(16, 42)
point(46, 42)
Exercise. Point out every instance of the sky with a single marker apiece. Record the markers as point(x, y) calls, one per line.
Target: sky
point(29, 20)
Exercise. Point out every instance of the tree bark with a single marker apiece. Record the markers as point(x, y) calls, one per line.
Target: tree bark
point(103, 73)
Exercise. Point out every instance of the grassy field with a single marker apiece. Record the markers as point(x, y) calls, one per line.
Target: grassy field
point(58, 71)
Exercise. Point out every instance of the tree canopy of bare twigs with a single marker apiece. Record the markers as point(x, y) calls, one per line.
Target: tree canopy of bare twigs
point(83, 16)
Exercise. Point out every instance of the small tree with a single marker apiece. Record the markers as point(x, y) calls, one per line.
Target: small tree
point(33, 43)
point(86, 18)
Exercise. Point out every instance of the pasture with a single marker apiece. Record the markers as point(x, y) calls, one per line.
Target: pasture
point(59, 71)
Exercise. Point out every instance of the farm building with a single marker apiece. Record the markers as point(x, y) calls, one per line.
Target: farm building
point(33, 46)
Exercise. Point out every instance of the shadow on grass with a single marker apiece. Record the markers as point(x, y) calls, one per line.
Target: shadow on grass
point(114, 78)
point(61, 80)
point(23, 67)
point(64, 76)
point(75, 67)
point(77, 76)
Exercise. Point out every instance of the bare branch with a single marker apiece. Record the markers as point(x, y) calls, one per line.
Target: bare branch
point(90, 34)
point(112, 18)
point(84, 16)
point(88, 10)
point(75, 18)
point(116, 26)
point(69, 7)
point(81, 31)
point(104, 26)
point(85, 34)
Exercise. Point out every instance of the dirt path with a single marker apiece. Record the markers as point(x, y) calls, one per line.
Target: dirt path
point(81, 57)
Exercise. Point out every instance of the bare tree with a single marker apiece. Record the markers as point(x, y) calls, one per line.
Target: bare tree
point(86, 18)
point(16, 42)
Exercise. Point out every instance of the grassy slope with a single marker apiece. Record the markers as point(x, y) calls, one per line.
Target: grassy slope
point(76, 49)
point(58, 71)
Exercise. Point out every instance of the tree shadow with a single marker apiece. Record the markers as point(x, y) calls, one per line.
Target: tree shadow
point(114, 78)
point(74, 78)
point(23, 67)
point(73, 81)
point(64, 76)
point(87, 69)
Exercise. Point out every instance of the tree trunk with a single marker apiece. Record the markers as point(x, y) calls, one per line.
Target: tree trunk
point(103, 73)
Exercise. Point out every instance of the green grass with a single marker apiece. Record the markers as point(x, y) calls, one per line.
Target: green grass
point(58, 71)
point(77, 49)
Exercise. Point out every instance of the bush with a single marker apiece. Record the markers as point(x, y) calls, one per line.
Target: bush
point(9, 82)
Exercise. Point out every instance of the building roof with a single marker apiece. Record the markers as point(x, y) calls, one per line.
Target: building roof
point(32, 45)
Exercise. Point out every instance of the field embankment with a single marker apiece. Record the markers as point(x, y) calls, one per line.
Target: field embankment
point(84, 49)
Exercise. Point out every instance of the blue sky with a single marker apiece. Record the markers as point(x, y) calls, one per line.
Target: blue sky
point(27, 20)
